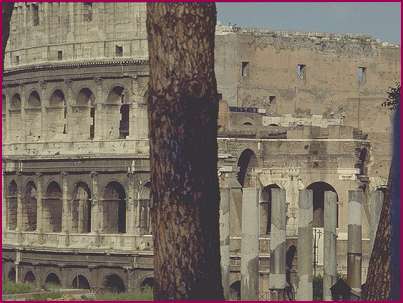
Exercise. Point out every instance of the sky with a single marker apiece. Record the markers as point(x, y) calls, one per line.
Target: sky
point(379, 20)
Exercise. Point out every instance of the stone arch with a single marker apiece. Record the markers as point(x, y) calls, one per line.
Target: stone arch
point(114, 283)
point(246, 163)
point(80, 282)
point(319, 189)
point(11, 276)
point(235, 290)
point(81, 208)
point(52, 208)
point(29, 207)
point(52, 280)
point(147, 283)
point(15, 129)
point(33, 116)
point(84, 114)
point(114, 208)
point(118, 113)
point(57, 114)
point(12, 192)
point(29, 277)
point(265, 208)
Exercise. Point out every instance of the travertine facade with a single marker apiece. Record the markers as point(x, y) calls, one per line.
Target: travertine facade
point(298, 111)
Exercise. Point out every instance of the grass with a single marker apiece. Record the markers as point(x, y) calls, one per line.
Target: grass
point(17, 288)
point(145, 295)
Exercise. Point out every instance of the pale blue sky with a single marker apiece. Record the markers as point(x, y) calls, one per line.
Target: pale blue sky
point(380, 20)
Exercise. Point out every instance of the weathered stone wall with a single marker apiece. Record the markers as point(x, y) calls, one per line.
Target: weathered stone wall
point(77, 30)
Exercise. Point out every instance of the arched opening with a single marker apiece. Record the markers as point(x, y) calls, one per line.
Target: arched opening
point(52, 208)
point(113, 283)
point(16, 131)
point(319, 189)
point(235, 291)
point(265, 208)
point(33, 120)
point(247, 124)
point(85, 114)
point(57, 115)
point(29, 207)
point(80, 282)
point(124, 121)
point(12, 205)
point(81, 209)
point(247, 161)
point(52, 281)
point(147, 284)
point(29, 277)
point(114, 208)
point(11, 276)
point(118, 111)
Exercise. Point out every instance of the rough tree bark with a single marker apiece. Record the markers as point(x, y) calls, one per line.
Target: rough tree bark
point(182, 112)
point(377, 286)
point(7, 11)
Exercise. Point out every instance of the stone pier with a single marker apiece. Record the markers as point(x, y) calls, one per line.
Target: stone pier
point(305, 245)
point(250, 244)
point(354, 246)
point(225, 198)
point(277, 279)
point(329, 255)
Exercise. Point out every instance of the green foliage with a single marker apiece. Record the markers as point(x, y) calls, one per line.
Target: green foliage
point(16, 288)
point(45, 296)
point(317, 283)
point(52, 287)
point(145, 295)
point(393, 99)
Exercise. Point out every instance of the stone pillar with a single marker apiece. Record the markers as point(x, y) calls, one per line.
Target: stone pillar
point(20, 226)
point(80, 217)
point(39, 203)
point(69, 102)
point(277, 279)
point(305, 245)
point(96, 209)
point(100, 119)
point(4, 202)
point(250, 244)
point(66, 210)
point(17, 266)
point(6, 114)
point(329, 255)
point(23, 131)
point(354, 246)
point(130, 211)
point(225, 198)
point(375, 208)
point(44, 103)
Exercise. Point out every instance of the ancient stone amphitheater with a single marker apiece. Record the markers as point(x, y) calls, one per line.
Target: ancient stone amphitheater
point(297, 111)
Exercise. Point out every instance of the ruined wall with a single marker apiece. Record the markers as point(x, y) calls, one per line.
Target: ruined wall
point(312, 76)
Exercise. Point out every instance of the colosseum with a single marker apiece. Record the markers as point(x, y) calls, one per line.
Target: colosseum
point(297, 111)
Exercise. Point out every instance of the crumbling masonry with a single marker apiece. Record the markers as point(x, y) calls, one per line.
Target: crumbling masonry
point(298, 112)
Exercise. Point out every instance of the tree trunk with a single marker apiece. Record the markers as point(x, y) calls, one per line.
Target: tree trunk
point(377, 286)
point(7, 11)
point(183, 112)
